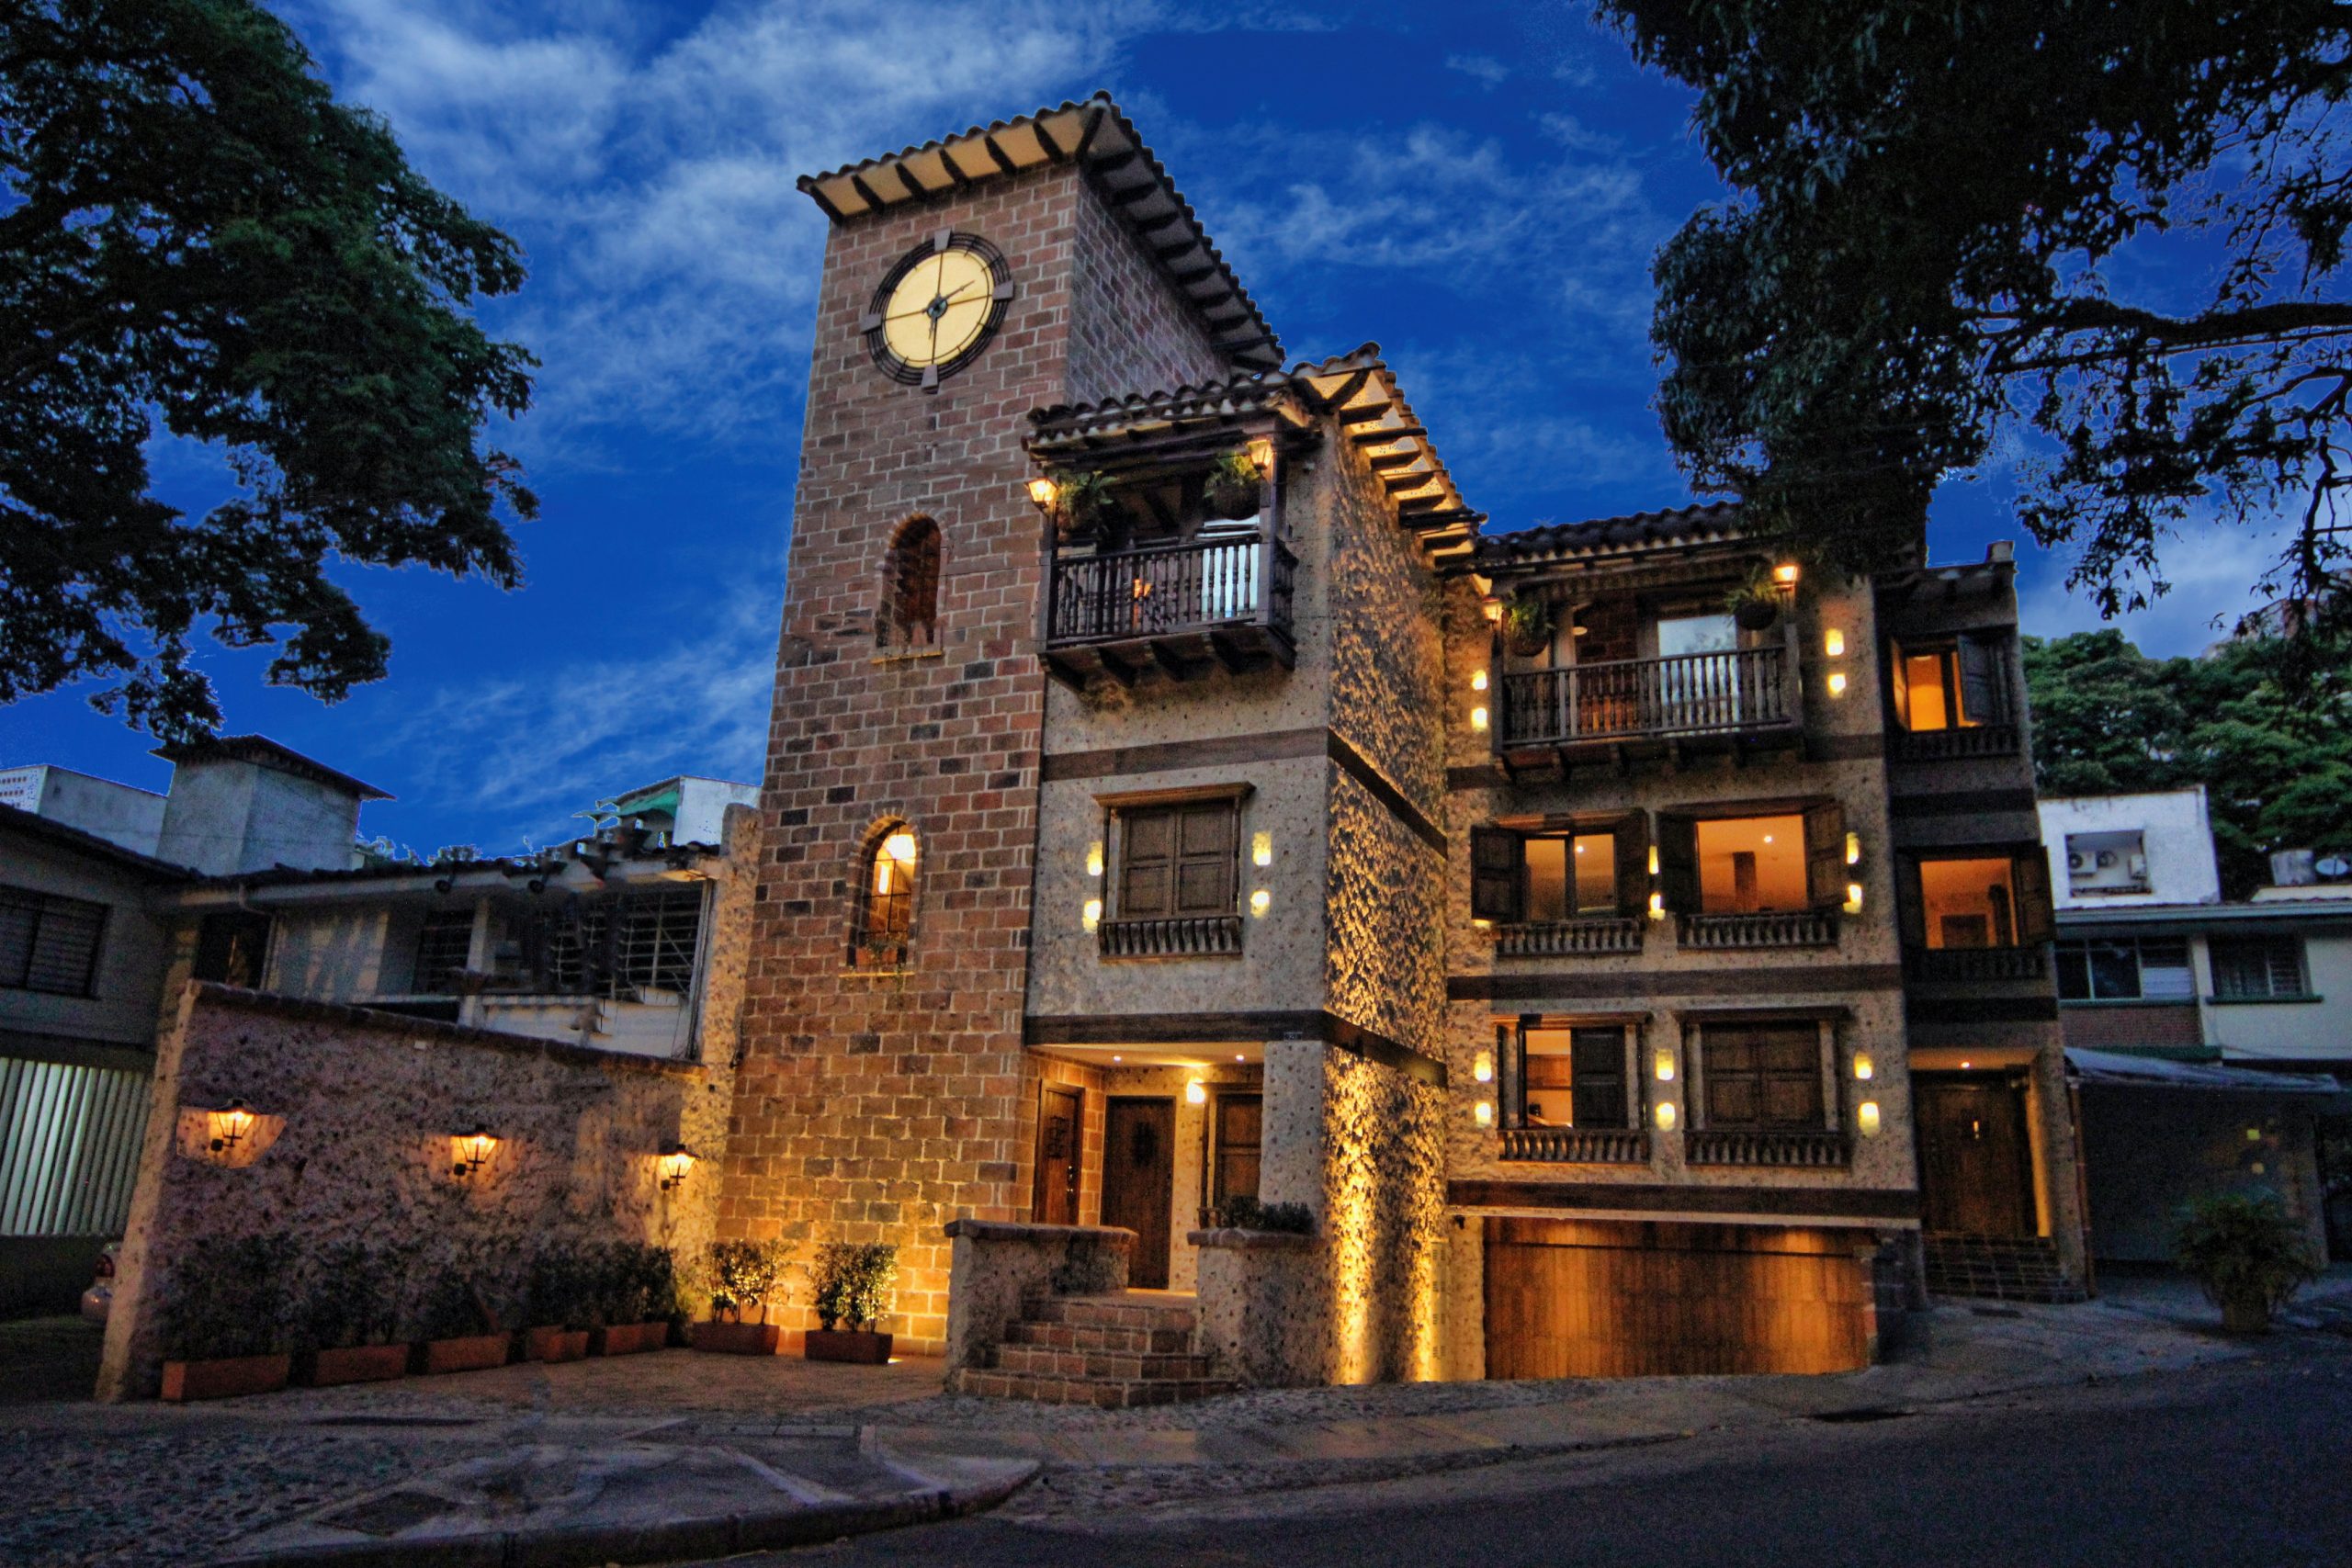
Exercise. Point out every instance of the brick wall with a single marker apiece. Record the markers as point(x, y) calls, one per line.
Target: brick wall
point(878, 1107)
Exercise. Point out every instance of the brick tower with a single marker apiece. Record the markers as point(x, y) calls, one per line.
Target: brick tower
point(967, 282)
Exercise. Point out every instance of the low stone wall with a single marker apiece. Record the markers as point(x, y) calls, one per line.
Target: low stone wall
point(1265, 1306)
point(995, 1267)
point(357, 1110)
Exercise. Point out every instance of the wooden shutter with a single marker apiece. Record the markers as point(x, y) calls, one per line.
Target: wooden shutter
point(1497, 875)
point(1632, 864)
point(1790, 1058)
point(1678, 862)
point(1147, 864)
point(1763, 1076)
point(1898, 683)
point(1912, 900)
point(1980, 686)
point(1825, 855)
point(1205, 858)
point(2029, 883)
point(1597, 1077)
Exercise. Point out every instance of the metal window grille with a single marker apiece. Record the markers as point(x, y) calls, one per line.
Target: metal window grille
point(2257, 968)
point(611, 947)
point(443, 945)
point(48, 943)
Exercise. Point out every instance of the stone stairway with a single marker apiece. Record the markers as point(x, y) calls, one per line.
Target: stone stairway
point(2009, 1269)
point(1118, 1350)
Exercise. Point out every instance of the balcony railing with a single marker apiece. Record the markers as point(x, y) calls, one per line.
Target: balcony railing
point(1782, 927)
point(1564, 939)
point(1578, 1145)
point(1714, 1145)
point(1229, 583)
point(1185, 936)
point(1963, 963)
point(1689, 694)
point(1999, 740)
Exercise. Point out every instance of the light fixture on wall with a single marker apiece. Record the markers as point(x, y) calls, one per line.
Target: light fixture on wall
point(677, 1162)
point(1482, 1066)
point(1483, 1113)
point(1665, 1116)
point(1853, 898)
point(1094, 858)
point(1196, 1092)
point(1478, 718)
point(1863, 1066)
point(1853, 849)
point(1657, 906)
point(1261, 453)
point(1866, 1118)
point(1260, 902)
point(1091, 914)
point(1043, 490)
point(1833, 643)
point(229, 1126)
point(1478, 681)
point(1653, 860)
point(473, 1150)
point(1494, 608)
point(1785, 574)
point(1261, 849)
point(1662, 1064)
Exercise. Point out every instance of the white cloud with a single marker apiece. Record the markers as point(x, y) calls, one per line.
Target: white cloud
point(1484, 69)
point(2211, 568)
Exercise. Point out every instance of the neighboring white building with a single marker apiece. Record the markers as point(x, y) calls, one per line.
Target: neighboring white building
point(2115, 851)
point(685, 809)
point(123, 815)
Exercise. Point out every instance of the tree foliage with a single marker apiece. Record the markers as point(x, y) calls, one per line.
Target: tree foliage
point(2111, 231)
point(2277, 768)
point(197, 239)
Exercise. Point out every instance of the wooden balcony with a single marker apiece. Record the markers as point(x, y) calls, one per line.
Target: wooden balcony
point(1690, 700)
point(1774, 928)
point(1176, 611)
point(1578, 1145)
point(1567, 939)
point(1748, 1146)
point(1183, 936)
point(1952, 745)
point(1965, 965)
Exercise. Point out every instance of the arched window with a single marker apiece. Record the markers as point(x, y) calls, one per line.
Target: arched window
point(911, 587)
point(886, 899)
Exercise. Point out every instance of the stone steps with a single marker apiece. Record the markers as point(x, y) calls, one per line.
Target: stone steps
point(1119, 1350)
point(2013, 1268)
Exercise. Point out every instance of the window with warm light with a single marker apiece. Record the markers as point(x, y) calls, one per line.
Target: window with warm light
point(1571, 1076)
point(886, 914)
point(1955, 684)
point(1775, 863)
point(1551, 876)
point(1977, 901)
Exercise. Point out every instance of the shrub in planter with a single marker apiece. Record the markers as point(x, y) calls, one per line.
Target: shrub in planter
point(557, 1306)
point(224, 1320)
point(853, 1282)
point(1234, 486)
point(1081, 497)
point(453, 1324)
point(1527, 624)
point(633, 1287)
point(2247, 1254)
point(1242, 1212)
point(742, 1277)
point(349, 1318)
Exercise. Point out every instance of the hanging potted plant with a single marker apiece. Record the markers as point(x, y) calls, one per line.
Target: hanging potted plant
point(1235, 487)
point(1755, 604)
point(1081, 497)
point(2247, 1254)
point(223, 1332)
point(556, 1313)
point(1527, 624)
point(349, 1322)
point(742, 1276)
point(852, 1287)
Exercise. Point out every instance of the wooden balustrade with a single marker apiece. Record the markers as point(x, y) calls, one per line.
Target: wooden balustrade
point(1721, 1146)
point(1779, 928)
point(1565, 939)
point(1578, 1145)
point(1969, 964)
point(1957, 744)
point(1689, 694)
point(1183, 936)
point(1171, 588)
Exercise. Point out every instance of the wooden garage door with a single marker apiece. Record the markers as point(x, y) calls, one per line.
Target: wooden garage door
point(1574, 1299)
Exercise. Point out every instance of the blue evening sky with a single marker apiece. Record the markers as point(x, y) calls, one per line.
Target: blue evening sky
point(1477, 187)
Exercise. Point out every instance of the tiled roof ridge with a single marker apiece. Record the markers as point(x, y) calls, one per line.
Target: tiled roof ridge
point(1272, 380)
point(1100, 99)
point(1543, 537)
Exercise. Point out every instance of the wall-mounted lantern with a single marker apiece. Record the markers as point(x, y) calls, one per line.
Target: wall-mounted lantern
point(1784, 576)
point(677, 1162)
point(1657, 906)
point(1483, 1113)
point(1863, 1066)
point(1665, 1116)
point(1196, 1092)
point(1662, 1064)
point(1482, 1066)
point(1853, 898)
point(1866, 1118)
point(1261, 849)
point(1478, 681)
point(1478, 718)
point(1091, 914)
point(1853, 849)
point(1043, 492)
point(1094, 858)
point(229, 1126)
point(1833, 643)
point(1260, 902)
point(1837, 682)
point(473, 1150)
point(1261, 453)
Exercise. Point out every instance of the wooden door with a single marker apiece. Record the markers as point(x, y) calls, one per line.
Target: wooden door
point(1060, 1124)
point(1579, 1299)
point(1975, 1170)
point(1139, 1182)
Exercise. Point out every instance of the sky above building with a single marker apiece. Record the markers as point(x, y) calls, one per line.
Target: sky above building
point(1476, 187)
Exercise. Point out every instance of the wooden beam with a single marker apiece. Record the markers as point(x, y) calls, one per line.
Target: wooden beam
point(1086, 138)
point(1388, 433)
point(865, 192)
point(819, 197)
point(906, 177)
point(1117, 162)
point(1383, 460)
point(1003, 159)
point(956, 176)
point(1364, 413)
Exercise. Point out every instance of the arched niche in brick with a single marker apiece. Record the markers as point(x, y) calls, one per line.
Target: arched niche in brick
point(909, 616)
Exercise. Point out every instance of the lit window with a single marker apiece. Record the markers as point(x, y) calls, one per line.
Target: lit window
point(1571, 1076)
point(1953, 685)
point(886, 906)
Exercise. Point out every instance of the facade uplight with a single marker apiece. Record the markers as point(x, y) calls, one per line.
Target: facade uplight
point(1478, 718)
point(1837, 682)
point(1665, 1116)
point(1483, 1113)
point(1261, 849)
point(1653, 860)
point(1261, 901)
point(1094, 858)
point(1196, 1092)
point(1662, 1064)
point(1482, 1066)
point(1853, 849)
point(1866, 1118)
point(1863, 1066)
point(1478, 681)
point(1657, 906)
point(1091, 916)
point(1853, 898)
point(1833, 643)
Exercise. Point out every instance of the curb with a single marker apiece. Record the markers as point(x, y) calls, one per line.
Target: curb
point(667, 1541)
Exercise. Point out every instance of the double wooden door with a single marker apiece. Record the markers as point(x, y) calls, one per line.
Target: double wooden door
point(1976, 1164)
point(1140, 1182)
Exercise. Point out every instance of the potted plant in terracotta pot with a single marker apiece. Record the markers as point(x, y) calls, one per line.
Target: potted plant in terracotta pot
point(853, 1282)
point(634, 1284)
point(224, 1320)
point(742, 1276)
point(1755, 604)
point(1081, 497)
point(1527, 624)
point(1234, 486)
point(2247, 1253)
point(350, 1319)
point(555, 1312)
point(455, 1329)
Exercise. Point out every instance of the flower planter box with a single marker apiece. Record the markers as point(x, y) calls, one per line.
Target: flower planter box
point(554, 1344)
point(738, 1338)
point(2246, 1317)
point(471, 1354)
point(628, 1338)
point(854, 1345)
point(352, 1363)
point(226, 1378)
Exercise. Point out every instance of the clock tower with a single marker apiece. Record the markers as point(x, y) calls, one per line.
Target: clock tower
point(967, 282)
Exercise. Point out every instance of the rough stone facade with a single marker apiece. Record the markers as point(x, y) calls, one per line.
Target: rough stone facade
point(357, 1111)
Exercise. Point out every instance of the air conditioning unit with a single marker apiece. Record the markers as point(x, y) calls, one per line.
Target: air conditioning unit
point(2106, 859)
point(2078, 861)
point(2138, 867)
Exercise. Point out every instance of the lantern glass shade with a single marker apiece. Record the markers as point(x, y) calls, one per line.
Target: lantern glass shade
point(229, 1126)
point(473, 1150)
point(1042, 490)
point(1853, 898)
point(1785, 574)
point(1262, 455)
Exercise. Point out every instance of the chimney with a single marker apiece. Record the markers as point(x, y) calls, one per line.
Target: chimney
point(244, 803)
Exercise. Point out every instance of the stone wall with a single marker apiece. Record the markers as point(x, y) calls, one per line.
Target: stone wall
point(1265, 1305)
point(997, 1268)
point(358, 1110)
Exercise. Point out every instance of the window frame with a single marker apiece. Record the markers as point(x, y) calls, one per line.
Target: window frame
point(1682, 890)
point(1698, 1094)
point(1510, 1067)
point(1499, 879)
point(1218, 1102)
point(2279, 943)
point(1122, 812)
point(914, 568)
point(2069, 949)
point(1967, 661)
point(433, 923)
point(866, 956)
point(2033, 916)
point(42, 909)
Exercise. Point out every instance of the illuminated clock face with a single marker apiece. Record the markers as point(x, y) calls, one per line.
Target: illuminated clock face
point(937, 307)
